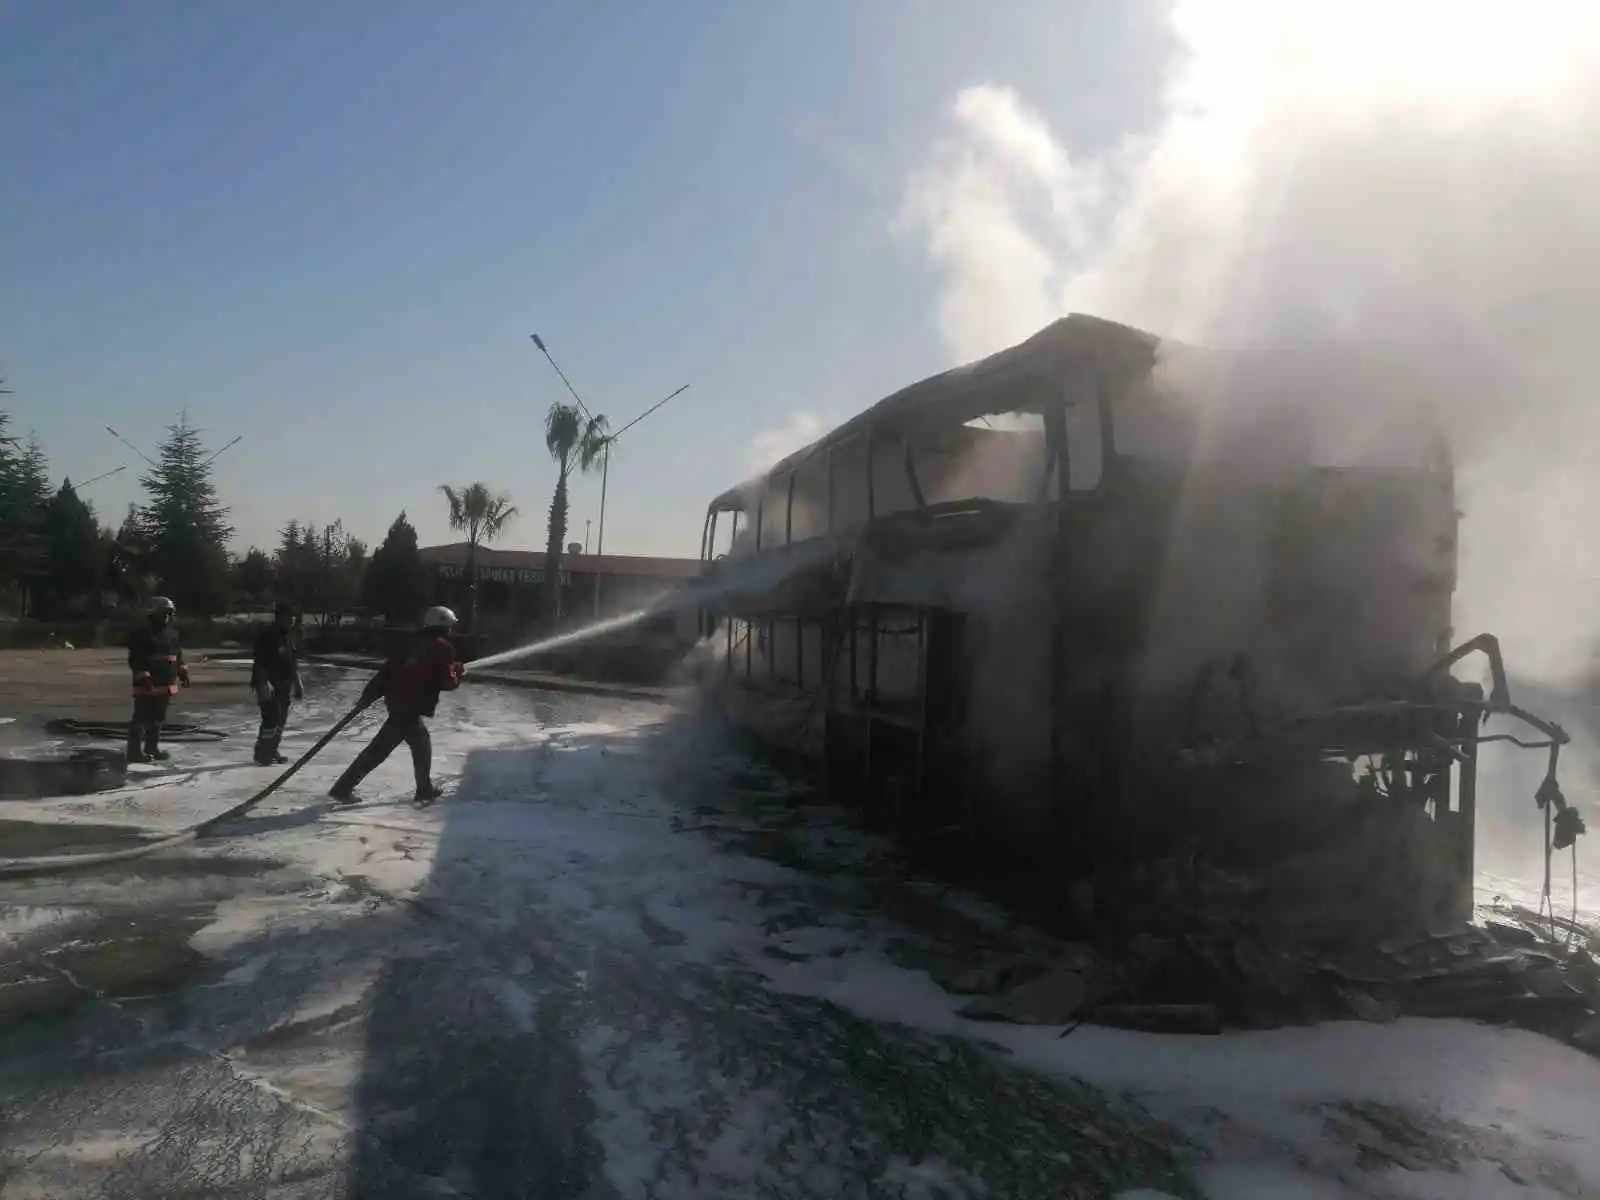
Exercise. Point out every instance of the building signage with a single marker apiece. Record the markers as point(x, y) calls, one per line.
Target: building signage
point(499, 574)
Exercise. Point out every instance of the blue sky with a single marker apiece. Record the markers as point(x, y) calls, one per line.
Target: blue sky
point(330, 228)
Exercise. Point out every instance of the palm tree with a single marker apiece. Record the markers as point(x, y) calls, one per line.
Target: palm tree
point(482, 515)
point(576, 441)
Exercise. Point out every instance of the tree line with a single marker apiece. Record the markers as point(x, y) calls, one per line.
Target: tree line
point(59, 560)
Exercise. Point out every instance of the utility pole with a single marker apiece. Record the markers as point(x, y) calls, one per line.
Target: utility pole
point(605, 471)
point(605, 461)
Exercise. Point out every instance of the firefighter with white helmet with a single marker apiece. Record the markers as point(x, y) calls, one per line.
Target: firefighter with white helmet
point(409, 682)
point(155, 656)
point(439, 619)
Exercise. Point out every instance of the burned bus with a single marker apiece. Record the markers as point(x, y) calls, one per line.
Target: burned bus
point(1094, 597)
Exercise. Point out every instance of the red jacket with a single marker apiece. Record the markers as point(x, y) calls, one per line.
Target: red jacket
point(410, 682)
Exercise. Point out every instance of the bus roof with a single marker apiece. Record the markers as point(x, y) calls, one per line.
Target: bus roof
point(998, 383)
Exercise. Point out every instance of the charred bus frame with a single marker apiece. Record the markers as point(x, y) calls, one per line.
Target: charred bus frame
point(865, 621)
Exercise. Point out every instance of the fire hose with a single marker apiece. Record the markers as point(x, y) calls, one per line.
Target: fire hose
point(16, 868)
point(67, 727)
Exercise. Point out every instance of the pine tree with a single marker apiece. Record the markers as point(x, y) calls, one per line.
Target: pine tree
point(340, 559)
point(256, 578)
point(131, 531)
point(184, 523)
point(319, 570)
point(127, 571)
point(295, 564)
point(24, 498)
point(396, 581)
point(288, 539)
point(33, 472)
point(12, 520)
point(73, 554)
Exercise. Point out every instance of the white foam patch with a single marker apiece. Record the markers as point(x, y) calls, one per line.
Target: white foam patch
point(23, 920)
point(580, 825)
point(1266, 1083)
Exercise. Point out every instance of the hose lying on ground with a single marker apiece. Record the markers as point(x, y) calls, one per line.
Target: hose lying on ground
point(15, 868)
point(68, 727)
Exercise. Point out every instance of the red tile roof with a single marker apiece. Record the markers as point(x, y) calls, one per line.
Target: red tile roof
point(639, 565)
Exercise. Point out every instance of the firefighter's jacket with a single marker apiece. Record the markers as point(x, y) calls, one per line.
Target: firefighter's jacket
point(156, 659)
point(276, 661)
point(412, 678)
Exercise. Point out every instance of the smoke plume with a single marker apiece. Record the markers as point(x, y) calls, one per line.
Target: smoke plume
point(1412, 189)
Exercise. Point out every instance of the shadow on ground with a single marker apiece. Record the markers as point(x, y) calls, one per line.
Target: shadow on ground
point(567, 999)
point(591, 1018)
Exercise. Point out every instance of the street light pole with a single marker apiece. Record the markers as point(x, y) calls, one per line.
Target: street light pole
point(148, 460)
point(539, 342)
point(600, 541)
point(78, 487)
point(156, 466)
point(605, 474)
point(545, 350)
point(605, 461)
point(605, 471)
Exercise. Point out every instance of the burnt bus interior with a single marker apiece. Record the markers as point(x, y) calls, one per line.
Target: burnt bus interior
point(1049, 599)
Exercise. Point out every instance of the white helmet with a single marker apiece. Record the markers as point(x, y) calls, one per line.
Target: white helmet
point(438, 617)
point(160, 604)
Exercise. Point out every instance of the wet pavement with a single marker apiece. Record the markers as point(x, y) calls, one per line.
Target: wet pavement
point(91, 684)
point(578, 975)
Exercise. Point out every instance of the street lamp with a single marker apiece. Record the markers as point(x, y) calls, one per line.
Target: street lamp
point(539, 342)
point(157, 466)
point(605, 471)
point(605, 460)
point(78, 487)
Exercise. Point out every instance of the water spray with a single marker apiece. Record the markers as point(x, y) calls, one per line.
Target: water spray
point(561, 640)
point(728, 577)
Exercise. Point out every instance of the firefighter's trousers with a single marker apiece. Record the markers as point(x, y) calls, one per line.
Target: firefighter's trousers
point(400, 727)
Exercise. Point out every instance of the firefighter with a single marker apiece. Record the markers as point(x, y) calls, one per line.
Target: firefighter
point(156, 659)
point(410, 683)
point(275, 680)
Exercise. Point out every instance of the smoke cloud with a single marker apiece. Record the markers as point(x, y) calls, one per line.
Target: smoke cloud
point(770, 445)
point(1412, 189)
